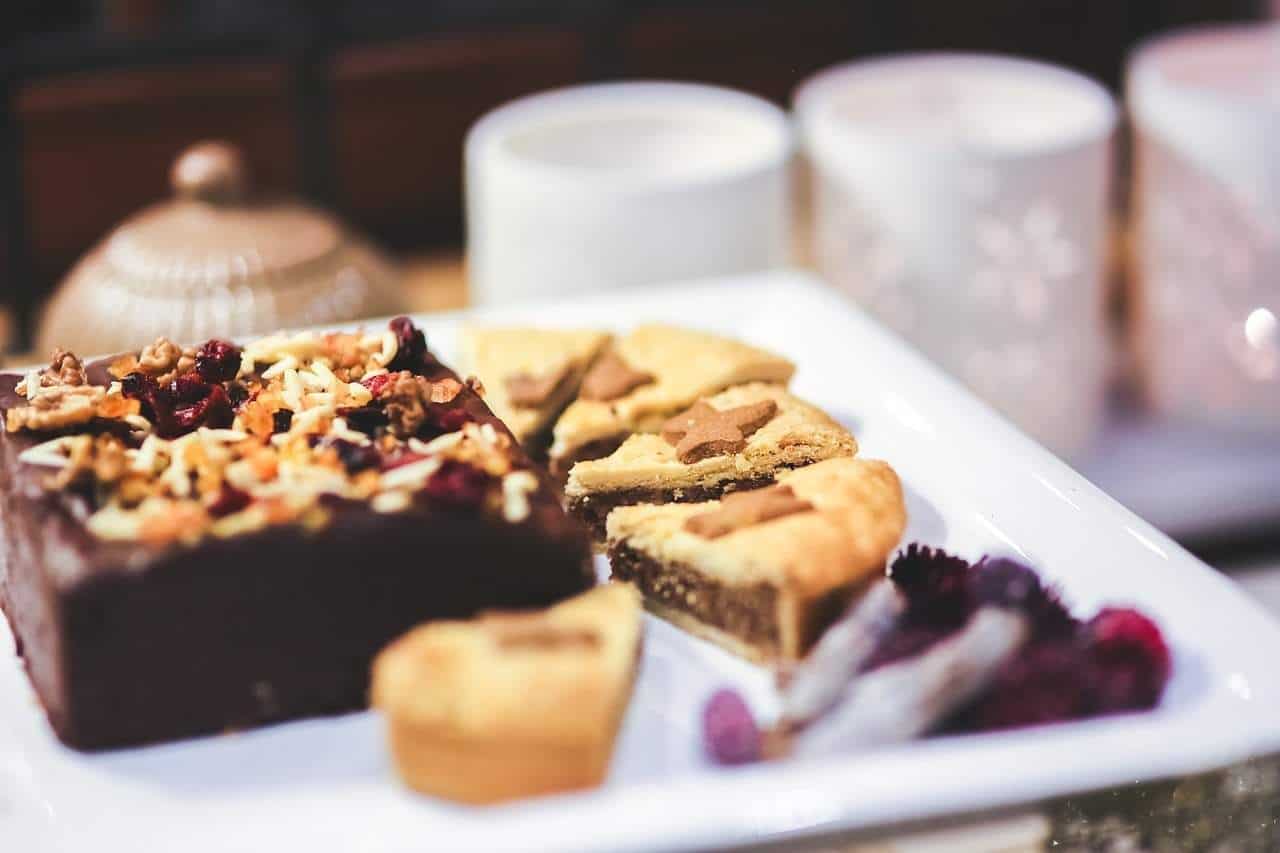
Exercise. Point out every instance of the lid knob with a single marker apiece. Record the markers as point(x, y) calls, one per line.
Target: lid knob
point(211, 171)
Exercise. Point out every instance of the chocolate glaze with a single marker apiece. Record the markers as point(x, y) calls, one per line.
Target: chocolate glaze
point(127, 643)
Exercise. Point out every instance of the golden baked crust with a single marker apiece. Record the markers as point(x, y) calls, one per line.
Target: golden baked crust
point(857, 519)
point(798, 434)
point(495, 355)
point(685, 364)
point(511, 704)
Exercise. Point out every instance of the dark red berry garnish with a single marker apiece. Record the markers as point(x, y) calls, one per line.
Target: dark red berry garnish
point(457, 485)
point(229, 500)
point(213, 410)
point(138, 386)
point(442, 420)
point(376, 383)
point(936, 585)
point(188, 388)
point(217, 361)
point(1046, 682)
point(1003, 582)
point(365, 419)
point(729, 731)
point(1131, 658)
point(281, 420)
point(412, 350)
point(179, 407)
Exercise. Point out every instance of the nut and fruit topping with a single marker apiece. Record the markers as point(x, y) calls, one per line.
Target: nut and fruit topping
point(219, 440)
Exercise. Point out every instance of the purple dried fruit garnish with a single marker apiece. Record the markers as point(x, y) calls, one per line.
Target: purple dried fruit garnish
point(213, 410)
point(1002, 582)
point(217, 361)
point(229, 500)
point(1047, 682)
point(935, 584)
point(412, 342)
point(1130, 657)
point(281, 420)
point(457, 485)
point(729, 731)
point(187, 388)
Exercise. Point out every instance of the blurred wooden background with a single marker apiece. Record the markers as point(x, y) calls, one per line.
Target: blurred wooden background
point(363, 106)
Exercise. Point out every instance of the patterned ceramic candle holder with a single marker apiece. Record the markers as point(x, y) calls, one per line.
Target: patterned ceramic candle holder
point(621, 184)
point(963, 200)
point(1206, 111)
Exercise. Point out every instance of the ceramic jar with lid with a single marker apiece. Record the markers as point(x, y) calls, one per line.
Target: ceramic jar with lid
point(217, 260)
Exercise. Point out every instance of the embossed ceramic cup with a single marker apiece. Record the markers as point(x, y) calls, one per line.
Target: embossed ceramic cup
point(963, 200)
point(1206, 112)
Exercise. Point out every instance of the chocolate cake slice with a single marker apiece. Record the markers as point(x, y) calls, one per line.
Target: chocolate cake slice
point(763, 573)
point(736, 440)
point(206, 539)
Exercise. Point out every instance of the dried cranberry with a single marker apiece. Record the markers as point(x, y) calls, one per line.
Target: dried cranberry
point(217, 361)
point(138, 386)
point(365, 419)
point(457, 485)
point(376, 383)
point(412, 342)
point(229, 500)
point(904, 642)
point(442, 420)
point(281, 420)
point(1131, 658)
point(213, 410)
point(935, 584)
point(1007, 583)
point(354, 457)
point(1046, 682)
point(729, 731)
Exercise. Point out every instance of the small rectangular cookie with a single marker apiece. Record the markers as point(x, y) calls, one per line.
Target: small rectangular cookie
point(763, 573)
point(653, 373)
point(738, 439)
point(511, 704)
point(529, 374)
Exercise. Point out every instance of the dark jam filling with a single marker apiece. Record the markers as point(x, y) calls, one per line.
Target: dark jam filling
point(746, 612)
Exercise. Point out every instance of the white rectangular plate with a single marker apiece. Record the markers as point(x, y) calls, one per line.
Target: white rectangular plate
point(974, 484)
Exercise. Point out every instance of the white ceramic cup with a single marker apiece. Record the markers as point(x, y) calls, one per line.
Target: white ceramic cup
point(963, 200)
point(1206, 114)
point(621, 184)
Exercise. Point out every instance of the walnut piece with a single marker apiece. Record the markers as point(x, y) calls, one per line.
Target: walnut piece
point(102, 456)
point(69, 405)
point(160, 356)
point(64, 369)
point(407, 395)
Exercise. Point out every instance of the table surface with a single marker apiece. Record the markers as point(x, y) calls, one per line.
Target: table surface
point(1236, 809)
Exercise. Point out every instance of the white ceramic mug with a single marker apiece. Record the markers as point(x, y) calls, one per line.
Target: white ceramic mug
point(621, 184)
point(963, 200)
point(1206, 114)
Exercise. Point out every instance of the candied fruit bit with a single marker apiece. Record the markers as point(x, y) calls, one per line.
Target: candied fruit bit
point(457, 485)
point(1131, 658)
point(217, 361)
point(412, 349)
point(377, 383)
point(729, 730)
